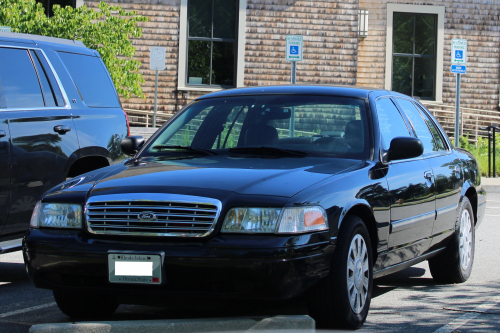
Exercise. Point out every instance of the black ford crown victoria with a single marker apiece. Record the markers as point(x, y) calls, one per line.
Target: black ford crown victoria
point(264, 193)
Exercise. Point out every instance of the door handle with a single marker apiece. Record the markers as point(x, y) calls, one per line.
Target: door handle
point(2, 133)
point(428, 175)
point(61, 129)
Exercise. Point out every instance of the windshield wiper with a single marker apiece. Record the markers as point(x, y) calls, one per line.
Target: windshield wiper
point(198, 150)
point(268, 150)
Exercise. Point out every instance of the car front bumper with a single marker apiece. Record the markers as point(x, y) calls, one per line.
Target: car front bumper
point(229, 266)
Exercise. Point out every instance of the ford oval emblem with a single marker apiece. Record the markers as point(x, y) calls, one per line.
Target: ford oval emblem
point(147, 216)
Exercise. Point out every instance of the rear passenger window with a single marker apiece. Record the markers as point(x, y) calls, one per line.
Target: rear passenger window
point(434, 130)
point(390, 121)
point(91, 79)
point(420, 126)
point(18, 80)
point(44, 82)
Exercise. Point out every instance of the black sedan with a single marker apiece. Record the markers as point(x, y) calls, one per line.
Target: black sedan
point(263, 193)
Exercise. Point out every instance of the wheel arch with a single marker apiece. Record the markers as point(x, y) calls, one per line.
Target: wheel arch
point(362, 209)
point(471, 194)
point(86, 160)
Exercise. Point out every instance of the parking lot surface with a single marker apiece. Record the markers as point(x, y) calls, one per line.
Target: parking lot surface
point(408, 301)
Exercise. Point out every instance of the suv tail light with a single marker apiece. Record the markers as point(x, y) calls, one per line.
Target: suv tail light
point(128, 125)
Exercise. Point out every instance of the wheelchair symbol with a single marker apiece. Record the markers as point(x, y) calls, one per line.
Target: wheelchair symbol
point(459, 54)
point(294, 49)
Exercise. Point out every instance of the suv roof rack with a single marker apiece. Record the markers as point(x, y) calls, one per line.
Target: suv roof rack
point(42, 38)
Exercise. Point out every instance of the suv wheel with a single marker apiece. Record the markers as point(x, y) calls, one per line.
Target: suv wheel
point(454, 265)
point(342, 299)
point(85, 306)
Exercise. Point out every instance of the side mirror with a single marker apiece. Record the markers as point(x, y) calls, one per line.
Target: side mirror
point(131, 144)
point(405, 147)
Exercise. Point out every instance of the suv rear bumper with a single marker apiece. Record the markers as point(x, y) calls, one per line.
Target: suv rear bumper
point(62, 259)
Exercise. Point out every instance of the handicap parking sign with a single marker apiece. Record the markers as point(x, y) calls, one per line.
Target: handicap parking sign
point(459, 54)
point(294, 46)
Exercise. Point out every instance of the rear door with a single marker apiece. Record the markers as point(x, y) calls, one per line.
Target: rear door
point(42, 132)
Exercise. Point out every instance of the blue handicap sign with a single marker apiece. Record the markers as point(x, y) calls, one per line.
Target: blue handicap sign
point(459, 54)
point(294, 49)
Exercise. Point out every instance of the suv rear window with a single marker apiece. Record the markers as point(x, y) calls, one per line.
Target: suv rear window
point(91, 79)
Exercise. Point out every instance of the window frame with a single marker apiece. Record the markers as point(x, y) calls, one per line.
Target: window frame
point(182, 64)
point(212, 39)
point(416, 9)
point(414, 55)
point(58, 83)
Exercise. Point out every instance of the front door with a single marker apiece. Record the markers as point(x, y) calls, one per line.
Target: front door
point(411, 191)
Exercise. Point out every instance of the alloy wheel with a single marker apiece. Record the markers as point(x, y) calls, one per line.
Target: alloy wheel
point(357, 273)
point(465, 247)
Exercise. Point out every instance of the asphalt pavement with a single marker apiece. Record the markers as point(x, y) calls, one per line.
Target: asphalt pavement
point(408, 301)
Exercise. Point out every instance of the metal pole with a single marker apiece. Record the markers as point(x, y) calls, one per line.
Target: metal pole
point(494, 154)
point(457, 113)
point(294, 72)
point(156, 96)
point(489, 153)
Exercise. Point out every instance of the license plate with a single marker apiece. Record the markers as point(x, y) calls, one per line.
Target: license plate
point(134, 268)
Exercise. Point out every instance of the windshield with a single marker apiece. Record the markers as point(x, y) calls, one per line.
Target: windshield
point(268, 124)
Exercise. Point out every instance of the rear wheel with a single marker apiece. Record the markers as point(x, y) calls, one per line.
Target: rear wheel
point(85, 306)
point(342, 299)
point(454, 265)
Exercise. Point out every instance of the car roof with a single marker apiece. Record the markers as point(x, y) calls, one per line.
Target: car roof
point(27, 38)
point(299, 89)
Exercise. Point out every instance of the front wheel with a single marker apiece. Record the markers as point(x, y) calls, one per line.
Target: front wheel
point(342, 299)
point(454, 265)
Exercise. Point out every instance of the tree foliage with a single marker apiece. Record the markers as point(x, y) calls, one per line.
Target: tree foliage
point(107, 30)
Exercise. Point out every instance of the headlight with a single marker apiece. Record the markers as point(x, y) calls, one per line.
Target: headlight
point(275, 220)
point(255, 220)
point(56, 215)
point(303, 219)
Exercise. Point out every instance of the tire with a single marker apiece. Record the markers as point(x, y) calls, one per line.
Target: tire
point(329, 301)
point(454, 265)
point(85, 306)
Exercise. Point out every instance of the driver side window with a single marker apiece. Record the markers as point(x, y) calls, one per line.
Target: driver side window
point(390, 121)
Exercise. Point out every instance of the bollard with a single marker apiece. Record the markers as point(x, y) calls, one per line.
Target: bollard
point(491, 137)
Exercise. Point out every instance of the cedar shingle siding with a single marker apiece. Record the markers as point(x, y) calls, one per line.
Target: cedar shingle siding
point(333, 54)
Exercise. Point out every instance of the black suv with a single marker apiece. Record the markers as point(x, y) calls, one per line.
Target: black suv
point(60, 117)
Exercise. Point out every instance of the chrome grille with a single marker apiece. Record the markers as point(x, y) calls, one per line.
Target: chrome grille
point(152, 214)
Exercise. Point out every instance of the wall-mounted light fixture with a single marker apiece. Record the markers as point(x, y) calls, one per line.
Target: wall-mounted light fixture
point(362, 23)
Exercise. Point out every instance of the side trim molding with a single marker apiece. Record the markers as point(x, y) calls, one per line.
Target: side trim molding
point(406, 223)
point(406, 264)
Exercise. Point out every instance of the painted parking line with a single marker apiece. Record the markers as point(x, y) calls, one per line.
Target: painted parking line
point(33, 308)
point(462, 320)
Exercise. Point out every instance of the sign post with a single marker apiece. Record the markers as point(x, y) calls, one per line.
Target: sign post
point(458, 66)
point(156, 62)
point(5, 29)
point(294, 46)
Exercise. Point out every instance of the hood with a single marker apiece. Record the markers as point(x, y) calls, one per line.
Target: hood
point(243, 175)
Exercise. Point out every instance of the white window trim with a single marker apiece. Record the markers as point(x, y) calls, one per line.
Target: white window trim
point(423, 9)
point(240, 58)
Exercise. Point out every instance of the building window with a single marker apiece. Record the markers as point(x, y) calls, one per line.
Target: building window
point(47, 4)
point(212, 42)
point(414, 55)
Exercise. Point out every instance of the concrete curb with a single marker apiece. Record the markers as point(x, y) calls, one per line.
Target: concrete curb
point(491, 185)
point(275, 324)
